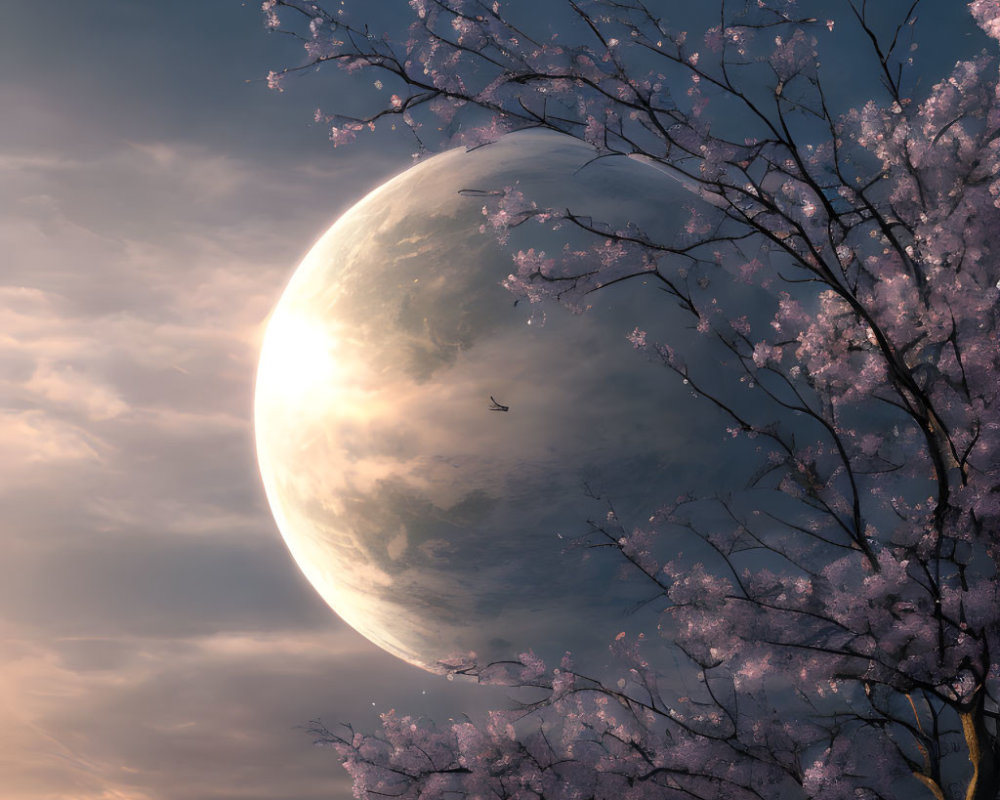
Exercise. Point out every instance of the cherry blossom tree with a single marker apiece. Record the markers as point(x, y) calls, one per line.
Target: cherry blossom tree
point(842, 621)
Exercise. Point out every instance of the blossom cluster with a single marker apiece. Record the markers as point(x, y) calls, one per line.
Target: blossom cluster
point(842, 619)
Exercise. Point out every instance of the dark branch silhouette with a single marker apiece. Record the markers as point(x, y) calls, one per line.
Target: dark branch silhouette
point(842, 634)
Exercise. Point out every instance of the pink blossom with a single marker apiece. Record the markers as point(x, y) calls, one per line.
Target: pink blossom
point(637, 338)
point(855, 577)
point(987, 14)
point(274, 80)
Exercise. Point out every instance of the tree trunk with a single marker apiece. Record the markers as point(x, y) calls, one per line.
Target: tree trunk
point(984, 753)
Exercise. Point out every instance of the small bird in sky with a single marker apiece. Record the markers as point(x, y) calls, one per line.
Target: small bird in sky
point(495, 406)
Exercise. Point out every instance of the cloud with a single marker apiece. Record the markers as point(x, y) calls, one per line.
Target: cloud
point(157, 642)
point(112, 341)
point(107, 718)
point(208, 717)
point(65, 387)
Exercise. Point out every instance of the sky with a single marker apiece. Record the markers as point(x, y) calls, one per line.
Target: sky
point(156, 640)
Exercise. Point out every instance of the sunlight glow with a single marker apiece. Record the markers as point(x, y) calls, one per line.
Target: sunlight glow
point(298, 357)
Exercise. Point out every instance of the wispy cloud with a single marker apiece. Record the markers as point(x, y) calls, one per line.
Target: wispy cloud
point(147, 595)
point(156, 640)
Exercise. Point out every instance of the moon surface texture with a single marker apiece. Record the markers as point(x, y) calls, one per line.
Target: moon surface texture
point(432, 523)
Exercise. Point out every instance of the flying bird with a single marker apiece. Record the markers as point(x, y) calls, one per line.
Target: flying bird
point(495, 406)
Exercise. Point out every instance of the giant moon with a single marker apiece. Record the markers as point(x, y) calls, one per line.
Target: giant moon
point(428, 521)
